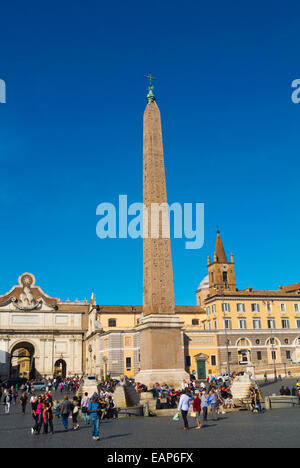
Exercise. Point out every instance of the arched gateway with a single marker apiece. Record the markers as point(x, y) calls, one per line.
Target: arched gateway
point(22, 361)
point(40, 333)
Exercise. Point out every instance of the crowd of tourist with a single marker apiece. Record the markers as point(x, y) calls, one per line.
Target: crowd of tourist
point(213, 396)
point(194, 398)
point(45, 408)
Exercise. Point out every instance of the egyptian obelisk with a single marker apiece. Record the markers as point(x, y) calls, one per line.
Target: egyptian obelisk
point(161, 342)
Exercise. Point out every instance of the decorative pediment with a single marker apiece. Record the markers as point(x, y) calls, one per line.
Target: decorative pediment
point(201, 357)
point(26, 296)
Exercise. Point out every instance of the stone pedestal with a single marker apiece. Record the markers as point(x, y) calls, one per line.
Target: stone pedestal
point(120, 396)
point(90, 386)
point(162, 357)
point(240, 387)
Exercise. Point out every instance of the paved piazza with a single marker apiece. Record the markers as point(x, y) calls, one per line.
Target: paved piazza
point(278, 428)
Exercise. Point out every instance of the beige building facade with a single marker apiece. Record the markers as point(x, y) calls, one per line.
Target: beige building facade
point(41, 330)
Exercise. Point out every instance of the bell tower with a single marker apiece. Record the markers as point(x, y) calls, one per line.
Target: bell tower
point(221, 272)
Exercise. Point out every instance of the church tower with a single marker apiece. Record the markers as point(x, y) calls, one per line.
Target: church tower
point(221, 272)
point(160, 331)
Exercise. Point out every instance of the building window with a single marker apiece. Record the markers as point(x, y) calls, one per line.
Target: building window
point(216, 325)
point(213, 360)
point(225, 307)
point(128, 363)
point(256, 324)
point(240, 307)
point(257, 342)
point(259, 356)
point(288, 354)
point(128, 341)
point(243, 342)
point(255, 307)
point(209, 325)
point(208, 310)
point(242, 324)
point(271, 323)
point(213, 308)
point(188, 361)
point(296, 307)
point(285, 323)
point(229, 356)
point(286, 341)
point(282, 308)
point(269, 306)
point(112, 322)
point(227, 324)
point(298, 323)
point(274, 355)
point(195, 322)
point(225, 277)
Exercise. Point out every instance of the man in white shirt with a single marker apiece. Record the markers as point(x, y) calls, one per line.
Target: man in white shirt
point(184, 405)
point(184, 385)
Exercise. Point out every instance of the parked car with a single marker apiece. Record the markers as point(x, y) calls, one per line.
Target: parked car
point(223, 378)
point(41, 386)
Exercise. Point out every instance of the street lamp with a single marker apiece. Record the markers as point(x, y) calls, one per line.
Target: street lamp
point(227, 340)
point(273, 354)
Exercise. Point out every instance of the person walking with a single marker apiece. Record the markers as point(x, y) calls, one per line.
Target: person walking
point(204, 406)
point(184, 405)
point(95, 412)
point(15, 396)
point(66, 409)
point(34, 403)
point(23, 401)
point(49, 406)
point(39, 415)
point(45, 419)
point(213, 402)
point(197, 409)
point(75, 412)
point(84, 408)
point(7, 402)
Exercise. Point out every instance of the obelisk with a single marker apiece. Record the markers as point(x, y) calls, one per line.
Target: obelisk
point(161, 341)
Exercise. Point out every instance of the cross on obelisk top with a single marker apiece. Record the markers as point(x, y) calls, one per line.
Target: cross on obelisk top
point(150, 97)
point(150, 78)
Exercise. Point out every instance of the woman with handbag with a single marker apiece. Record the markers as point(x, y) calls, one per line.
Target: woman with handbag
point(84, 408)
point(75, 412)
point(197, 409)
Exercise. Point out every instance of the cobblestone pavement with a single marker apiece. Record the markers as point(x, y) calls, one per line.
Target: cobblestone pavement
point(277, 428)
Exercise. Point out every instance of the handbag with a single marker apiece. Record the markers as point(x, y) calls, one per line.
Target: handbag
point(193, 414)
point(176, 417)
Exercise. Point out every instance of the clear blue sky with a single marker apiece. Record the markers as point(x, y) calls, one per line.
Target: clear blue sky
point(71, 137)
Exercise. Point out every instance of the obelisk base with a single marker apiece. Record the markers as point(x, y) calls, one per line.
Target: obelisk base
point(162, 356)
point(172, 377)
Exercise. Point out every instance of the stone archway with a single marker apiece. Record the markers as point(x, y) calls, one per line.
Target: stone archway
point(60, 369)
point(244, 351)
point(22, 361)
point(296, 353)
